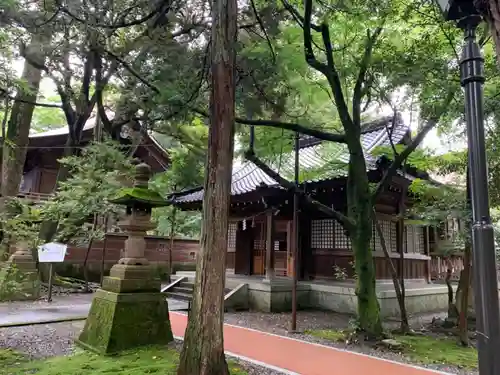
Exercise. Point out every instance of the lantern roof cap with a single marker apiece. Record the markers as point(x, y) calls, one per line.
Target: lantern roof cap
point(140, 192)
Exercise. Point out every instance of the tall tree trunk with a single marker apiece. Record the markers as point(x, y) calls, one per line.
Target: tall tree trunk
point(203, 349)
point(172, 241)
point(360, 210)
point(87, 253)
point(452, 308)
point(465, 276)
point(462, 300)
point(368, 306)
point(18, 128)
point(490, 9)
point(16, 137)
point(405, 326)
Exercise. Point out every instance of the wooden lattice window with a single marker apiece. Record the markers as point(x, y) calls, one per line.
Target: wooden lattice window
point(385, 226)
point(322, 234)
point(414, 239)
point(418, 237)
point(341, 239)
point(231, 236)
point(259, 244)
point(389, 230)
point(394, 236)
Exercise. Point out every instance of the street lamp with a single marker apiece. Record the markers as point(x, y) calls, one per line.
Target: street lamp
point(483, 244)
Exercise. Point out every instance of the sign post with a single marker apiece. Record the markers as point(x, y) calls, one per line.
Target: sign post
point(51, 253)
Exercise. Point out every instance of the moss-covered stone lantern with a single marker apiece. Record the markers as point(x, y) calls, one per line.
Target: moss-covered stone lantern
point(139, 201)
point(130, 310)
point(19, 275)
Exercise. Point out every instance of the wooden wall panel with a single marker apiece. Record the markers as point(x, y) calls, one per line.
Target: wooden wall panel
point(324, 263)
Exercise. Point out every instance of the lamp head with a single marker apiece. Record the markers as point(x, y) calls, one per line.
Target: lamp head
point(454, 10)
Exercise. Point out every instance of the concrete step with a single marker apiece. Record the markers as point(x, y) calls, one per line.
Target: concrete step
point(181, 289)
point(180, 296)
point(187, 284)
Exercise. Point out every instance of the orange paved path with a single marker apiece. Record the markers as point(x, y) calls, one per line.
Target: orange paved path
point(298, 356)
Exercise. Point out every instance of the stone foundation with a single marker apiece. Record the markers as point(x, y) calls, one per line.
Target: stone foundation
point(120, 321)
point(276, 296)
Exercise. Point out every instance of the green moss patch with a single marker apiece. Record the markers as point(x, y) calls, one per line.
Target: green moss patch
point(328, 334)
point(141, 195)
point(9, 357)
point(434, 350)
point(420, 349)
point(119, 322)
point(150, 360)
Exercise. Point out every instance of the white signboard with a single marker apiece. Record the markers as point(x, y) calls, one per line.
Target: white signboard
point(52, 252)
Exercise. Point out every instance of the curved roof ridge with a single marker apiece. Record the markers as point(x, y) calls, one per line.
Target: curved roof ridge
point(309, 156)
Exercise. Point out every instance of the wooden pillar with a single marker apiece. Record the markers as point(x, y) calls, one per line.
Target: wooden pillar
point(269, 246)
point(243, 261)
point(427, 252)
point(305, 248)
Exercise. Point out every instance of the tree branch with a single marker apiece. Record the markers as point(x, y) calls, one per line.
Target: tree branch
point(329, 70)
point(4, 92)
point(340, 217)
point(261, 24)
point(160, 9)
point(358, 91)
point(339, 138)
point(132, 71)
point(391, 171)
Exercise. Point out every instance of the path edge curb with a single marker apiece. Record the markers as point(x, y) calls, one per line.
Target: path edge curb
point(38, 322)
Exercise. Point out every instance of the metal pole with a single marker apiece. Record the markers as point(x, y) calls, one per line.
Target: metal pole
point(293, 323)
point(51, 281)
point(483, 244)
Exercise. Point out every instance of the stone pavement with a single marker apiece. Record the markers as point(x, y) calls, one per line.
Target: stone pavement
point(62, 309)
point(299, 357)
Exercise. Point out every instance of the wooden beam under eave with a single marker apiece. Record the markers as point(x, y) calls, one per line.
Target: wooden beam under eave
point(269, 245)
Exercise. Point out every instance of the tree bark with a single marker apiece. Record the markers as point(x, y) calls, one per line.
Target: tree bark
point(172, 241)
point(368, 307)
point(18, 128)
point(203, 349)
point(405, 326)
point(462, 299)
point(360, 209)
point(452, 308)
point(490, 9)
point(87, 253)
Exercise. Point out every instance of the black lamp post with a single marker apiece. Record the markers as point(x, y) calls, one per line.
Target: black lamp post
point(483, 244)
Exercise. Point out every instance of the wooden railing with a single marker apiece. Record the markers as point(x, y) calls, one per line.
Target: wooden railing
point(440, 264)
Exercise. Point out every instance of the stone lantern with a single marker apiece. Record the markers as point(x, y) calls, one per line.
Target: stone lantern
point(19, 275)
point(130, 310)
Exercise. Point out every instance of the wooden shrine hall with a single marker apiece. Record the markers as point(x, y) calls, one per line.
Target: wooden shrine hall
point(260, 231)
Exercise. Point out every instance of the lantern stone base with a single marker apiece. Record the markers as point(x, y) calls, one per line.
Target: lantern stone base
point(127, 313)
point(19, 278)
point(131, 279)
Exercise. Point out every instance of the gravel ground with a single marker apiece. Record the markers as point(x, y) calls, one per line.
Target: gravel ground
point(49, 340)
point(279, 323)
point(41, 340)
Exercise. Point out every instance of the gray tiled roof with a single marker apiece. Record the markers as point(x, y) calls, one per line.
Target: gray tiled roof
point(320, 160)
